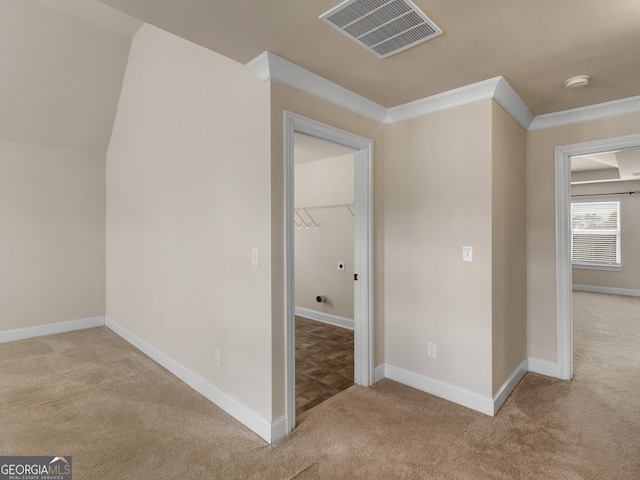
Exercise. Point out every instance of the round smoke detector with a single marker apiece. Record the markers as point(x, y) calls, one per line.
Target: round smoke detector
point(577, 81)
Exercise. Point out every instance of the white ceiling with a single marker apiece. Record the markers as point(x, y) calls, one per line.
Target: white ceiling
point(622, 165)
point(309, 149)
point(61, 74)
point(534, 44)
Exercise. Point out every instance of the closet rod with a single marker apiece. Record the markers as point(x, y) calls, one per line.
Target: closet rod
point(598, 194)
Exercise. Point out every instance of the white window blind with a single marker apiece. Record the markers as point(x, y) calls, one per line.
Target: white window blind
point(595, 233)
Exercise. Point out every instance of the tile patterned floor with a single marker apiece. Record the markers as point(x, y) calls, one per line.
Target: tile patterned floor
point(324, 362)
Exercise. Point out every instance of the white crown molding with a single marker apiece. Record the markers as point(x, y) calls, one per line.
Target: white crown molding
point(586, 114)
point(325, 318)
point(269, 66)
point(508, 99)
point(50, 329)
point(459, 97)
point(259, 425)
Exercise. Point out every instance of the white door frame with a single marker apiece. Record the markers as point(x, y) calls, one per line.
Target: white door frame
point(363, 233)
point(563, 237)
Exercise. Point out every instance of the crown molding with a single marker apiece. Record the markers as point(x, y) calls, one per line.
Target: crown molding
point(269, 66)
point(476, 92)
point(586, 114)
point(507, 98)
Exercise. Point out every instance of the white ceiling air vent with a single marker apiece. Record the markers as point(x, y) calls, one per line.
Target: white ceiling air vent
point(384, 27)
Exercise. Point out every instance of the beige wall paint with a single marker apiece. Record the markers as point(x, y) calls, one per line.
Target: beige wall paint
point(61, 78)
point(287, 98)
point(52, 213)
point(188, 196)
point(438, 198)
point(317, 250)
point(541, 264)
point(509, 236)
point(629, 277)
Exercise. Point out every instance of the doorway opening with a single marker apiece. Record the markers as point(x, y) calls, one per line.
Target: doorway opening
point(362, 254)
point(564, 281)
point(324, 217)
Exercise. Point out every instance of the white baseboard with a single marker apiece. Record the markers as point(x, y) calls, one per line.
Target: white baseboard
point(508, 386)
point(612, 291)
point(325, 318)
point(279, 429)
point(264, 428)
point(378, 373)
point(542, 367)
point(50, 329)
point(453, 393)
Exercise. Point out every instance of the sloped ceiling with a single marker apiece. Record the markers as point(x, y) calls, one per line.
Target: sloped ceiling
point(534, 44)
point(61, 74)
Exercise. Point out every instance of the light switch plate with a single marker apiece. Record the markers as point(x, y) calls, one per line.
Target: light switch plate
point(340, 265)
point(255, 256)
point(467, 254)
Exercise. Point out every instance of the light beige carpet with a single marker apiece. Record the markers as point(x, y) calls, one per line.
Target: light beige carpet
point(91, 395)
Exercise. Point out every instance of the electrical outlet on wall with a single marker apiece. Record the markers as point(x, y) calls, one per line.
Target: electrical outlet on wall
point(216, 358)
point(432, 350)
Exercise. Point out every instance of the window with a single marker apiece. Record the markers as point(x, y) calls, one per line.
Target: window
point(595, 233)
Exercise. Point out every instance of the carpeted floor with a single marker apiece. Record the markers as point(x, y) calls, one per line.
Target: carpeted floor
point(90, 395)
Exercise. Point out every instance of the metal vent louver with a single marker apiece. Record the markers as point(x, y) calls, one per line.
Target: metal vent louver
point(383, 27)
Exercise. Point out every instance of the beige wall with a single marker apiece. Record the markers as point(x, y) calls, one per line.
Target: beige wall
point(438, 198)
point(287, 98)
point(629, 277)
point(541, 265)
point(509, 289)
point(188, 196)
point(318, 250)
point(52, 213)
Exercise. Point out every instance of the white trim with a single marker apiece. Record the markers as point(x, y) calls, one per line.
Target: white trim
point(260, 426)
point(441, 389)
point(50, 329)
point(269, 66)
point(564, 343)
point(543, 367)
point(496, 88)
point(563, 156)
point(458, 97)
point(279, 429)
point(378, 373)
point(508, 99)
point(363, 288)
point(586, 114)
point(610, 290)
point(507, 387)
point(325, 318)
